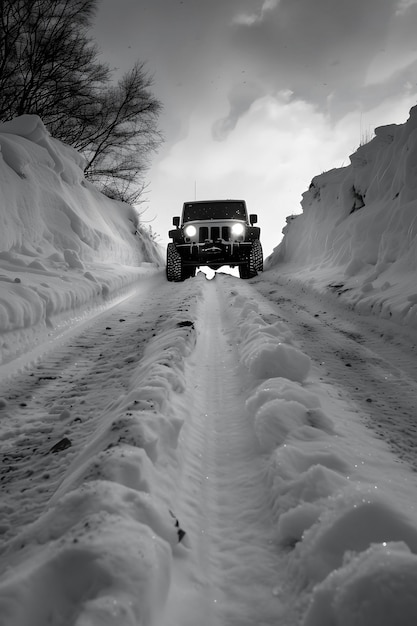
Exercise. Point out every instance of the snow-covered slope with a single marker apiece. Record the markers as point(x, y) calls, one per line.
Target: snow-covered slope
point(63, 244)
point(357, 233)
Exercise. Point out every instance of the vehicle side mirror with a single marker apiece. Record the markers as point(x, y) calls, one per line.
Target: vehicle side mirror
point(253, 218)
point(176, 221)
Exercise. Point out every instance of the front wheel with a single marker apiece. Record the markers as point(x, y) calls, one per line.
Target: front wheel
point(258, 256)
point(249, 270)
point(174, 264)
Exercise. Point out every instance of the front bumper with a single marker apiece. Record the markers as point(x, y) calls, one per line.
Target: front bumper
point(214, 252)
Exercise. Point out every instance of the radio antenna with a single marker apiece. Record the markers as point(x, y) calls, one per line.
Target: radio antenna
point(195, 190)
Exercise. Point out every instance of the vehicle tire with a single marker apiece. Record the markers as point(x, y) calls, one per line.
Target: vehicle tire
point(174, 264)
point(259, 257)
point(248, 270)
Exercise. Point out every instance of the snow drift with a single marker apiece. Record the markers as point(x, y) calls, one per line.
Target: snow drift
point(357, 234)
point(102, 552)
point(351, 548)
point(63, 244)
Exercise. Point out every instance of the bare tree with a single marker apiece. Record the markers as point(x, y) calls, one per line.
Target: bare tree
point(120, 136)
point(50, 66)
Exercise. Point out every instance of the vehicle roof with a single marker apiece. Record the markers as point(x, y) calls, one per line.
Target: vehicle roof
point(217, 200)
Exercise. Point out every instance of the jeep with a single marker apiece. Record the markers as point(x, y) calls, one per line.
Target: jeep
point(214, 233)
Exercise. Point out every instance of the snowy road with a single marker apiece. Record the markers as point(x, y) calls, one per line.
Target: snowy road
point(222, 491)
point(175, 394)
point(62, 397)
point(371, 360)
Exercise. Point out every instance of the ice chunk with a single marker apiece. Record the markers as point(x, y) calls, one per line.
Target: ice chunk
point(279, 360)
point(374, 588)
point(296, 457)
point(126, 465)
point(281, 388)
point(73, 259)
point(293, 524)
point(275, 419)
point(352, 526)
point(105, 570)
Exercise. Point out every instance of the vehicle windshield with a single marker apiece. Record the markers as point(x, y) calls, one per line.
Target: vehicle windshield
point(217, 210)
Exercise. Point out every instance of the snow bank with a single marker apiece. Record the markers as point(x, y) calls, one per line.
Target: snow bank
point(63, 245)
point(352, 551)
point(102, 552)
point(357, 234)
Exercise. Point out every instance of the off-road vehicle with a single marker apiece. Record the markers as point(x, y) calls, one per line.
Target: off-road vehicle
point(214, 233)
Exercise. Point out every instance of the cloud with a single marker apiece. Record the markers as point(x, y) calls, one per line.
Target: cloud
point(241, 97)
point(248, 19)
point(404, 5)
point(320, 49)
point(326, 52)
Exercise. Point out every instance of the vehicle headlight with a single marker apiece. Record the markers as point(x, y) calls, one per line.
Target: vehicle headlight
point(190, 230)
point(238, 229)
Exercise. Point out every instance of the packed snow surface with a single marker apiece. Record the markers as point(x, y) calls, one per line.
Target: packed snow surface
point(215, 452)
point(182, 461)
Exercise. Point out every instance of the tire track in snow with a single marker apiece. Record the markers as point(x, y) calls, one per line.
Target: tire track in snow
point(232, 569)
point(371, 360)
point(63, 397)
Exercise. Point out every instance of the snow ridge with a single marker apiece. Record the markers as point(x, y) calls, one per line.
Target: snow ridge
point(357, 234)
point(350, 550)
point(109, 532)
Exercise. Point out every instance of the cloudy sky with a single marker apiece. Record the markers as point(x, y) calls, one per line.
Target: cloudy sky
point(259, 96)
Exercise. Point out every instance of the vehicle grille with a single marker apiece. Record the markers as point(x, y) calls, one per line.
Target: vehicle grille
point(213, 233)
